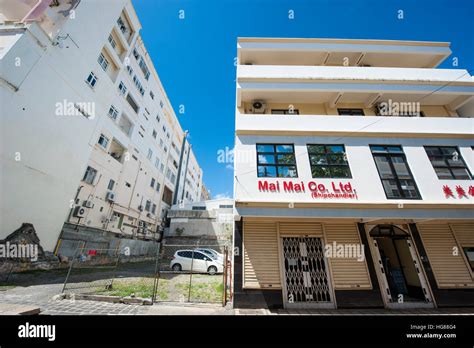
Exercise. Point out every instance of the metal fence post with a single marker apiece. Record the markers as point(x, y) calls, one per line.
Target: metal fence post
point(191, 277)
point(117, 250)
point(70, 267)
point(157, 273)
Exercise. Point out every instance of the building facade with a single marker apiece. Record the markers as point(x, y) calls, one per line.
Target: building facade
point(353, 175)
point(204, 222)
point(89, 136)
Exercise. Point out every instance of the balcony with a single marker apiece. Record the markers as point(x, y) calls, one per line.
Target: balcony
point(354, 126)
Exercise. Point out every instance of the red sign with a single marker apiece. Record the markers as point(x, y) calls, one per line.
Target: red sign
point(460, 191)
point(317, 190)
point(92, 252)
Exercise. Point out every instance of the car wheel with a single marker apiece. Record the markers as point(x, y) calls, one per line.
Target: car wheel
point(176, 267)
point(212, 270)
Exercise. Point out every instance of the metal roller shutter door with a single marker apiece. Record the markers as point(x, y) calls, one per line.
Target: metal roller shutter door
point(301, 228)
point(260, 256)
point(347, 273)
point(449, 270)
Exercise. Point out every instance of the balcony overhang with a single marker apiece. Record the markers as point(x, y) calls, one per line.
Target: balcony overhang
point(336, 52)
point(376, 126)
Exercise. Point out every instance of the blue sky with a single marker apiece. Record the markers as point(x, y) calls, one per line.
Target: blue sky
point(194, 56)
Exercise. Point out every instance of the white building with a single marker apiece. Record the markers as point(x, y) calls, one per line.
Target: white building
point(204, 221)
point(359, 144)
point(88, 134)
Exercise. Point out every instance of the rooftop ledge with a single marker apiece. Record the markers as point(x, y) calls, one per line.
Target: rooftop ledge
point(355, 126)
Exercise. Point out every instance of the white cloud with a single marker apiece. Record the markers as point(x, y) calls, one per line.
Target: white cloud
point(225, 195)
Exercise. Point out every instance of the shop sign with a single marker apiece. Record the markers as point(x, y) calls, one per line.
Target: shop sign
point(458, 191)
point(335, 189)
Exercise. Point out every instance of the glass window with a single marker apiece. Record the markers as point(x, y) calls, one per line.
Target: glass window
point(113, 112)
point(276, 161)
point(111, 185)
point(103, 62)
point(328, 161)
point(91, 80)
point(397, 180)
point(351, 112)
point(103, 141)
point(448, 162)
point(89, 175)
point(285, 112)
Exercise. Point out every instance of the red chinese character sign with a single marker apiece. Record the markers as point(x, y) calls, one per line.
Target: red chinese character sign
point(460, 191)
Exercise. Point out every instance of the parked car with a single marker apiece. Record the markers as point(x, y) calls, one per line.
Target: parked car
point(202, 263)
point(211, 252)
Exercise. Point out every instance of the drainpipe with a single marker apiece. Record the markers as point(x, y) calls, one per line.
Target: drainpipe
point(175, 198)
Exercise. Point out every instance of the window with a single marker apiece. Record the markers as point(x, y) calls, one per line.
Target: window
point(162, 167)
point(103, 141)
point(394, 172)
point(91, 80)
point(158, 118)
point(128, 184)
point(89, 175)
point(152, 95)
point(154, 134)
point(150, 154)
point(469, 252)
point(153, 209)
point(122, 88)
point(129, 70)
point(157, 163)
point(112, 41)
point(111, 185)
point(133, 104)
point(285, 112)
point(351, 112)
point(328, 161)
point(138, 85)
point(113, 112)
point(448, 163)
point(104, 63)
point(161, 104)
point(196, 207)
point(152, 184)
point(276, 161)
point(148, 205)
point(158, 187)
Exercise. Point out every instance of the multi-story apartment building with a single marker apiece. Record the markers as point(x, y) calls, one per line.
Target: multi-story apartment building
point(88, 133)
point(353, 175)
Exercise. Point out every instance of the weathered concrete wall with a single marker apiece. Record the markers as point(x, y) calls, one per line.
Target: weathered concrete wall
point(93, 238)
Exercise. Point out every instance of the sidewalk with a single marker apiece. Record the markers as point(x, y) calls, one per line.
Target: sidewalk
point(362, 312)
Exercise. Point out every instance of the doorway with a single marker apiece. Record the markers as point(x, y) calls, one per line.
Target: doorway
point(402, 280)
point(305, 272)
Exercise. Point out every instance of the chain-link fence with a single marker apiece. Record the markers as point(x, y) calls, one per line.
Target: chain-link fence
point(112, 272)
point(194, 273)
point(166, 273)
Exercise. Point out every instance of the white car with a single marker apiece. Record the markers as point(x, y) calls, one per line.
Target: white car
point(202, 263)
point(211, 252)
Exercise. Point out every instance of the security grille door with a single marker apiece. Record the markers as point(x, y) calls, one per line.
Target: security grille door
point(306, 277)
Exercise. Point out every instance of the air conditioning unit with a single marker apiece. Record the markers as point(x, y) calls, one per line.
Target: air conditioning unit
point(110, 196)
point(88, 204)
point(79, 212)
point(140, 207)
point(141, 224)
point(148, 215)
point(258, 107)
